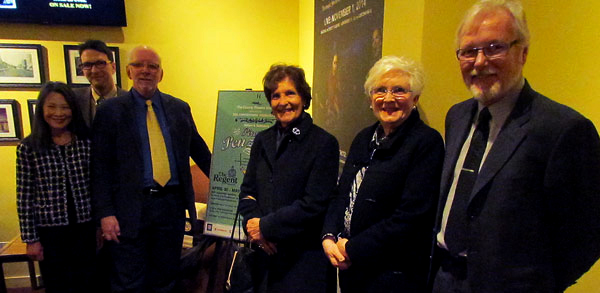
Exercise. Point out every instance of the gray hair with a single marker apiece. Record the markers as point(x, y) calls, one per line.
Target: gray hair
point(513, 7)
point(391, 63)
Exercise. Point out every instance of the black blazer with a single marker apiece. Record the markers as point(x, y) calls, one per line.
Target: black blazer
point(117, 164)
point(535, 208)
point(394, 210)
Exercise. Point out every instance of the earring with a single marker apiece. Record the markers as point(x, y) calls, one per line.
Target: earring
point(371, 107)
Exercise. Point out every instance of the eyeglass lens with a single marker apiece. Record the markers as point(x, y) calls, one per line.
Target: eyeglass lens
point(99, 64)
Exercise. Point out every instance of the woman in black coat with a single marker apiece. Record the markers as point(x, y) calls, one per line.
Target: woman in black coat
point(378, 229)
point(289, 180)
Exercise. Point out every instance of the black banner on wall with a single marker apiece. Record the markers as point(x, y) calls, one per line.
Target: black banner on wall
point(348, 39)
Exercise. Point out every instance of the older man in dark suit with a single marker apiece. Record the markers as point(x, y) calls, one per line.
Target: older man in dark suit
point(142, 184)
point(520, 191)
point(98, 65)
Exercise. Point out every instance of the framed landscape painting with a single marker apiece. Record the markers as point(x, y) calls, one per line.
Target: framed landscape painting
point(21, 65)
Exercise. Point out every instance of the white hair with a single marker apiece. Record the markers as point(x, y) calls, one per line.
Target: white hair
point(391, 63)
point(142, 47)
point(514, 7)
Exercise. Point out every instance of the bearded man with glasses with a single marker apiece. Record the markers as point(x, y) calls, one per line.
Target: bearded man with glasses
point(519, 206)
point(98, 66)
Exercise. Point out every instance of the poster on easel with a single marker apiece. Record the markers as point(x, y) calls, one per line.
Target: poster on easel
point(240, 116)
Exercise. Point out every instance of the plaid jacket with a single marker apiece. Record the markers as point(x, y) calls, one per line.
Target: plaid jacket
point(41, 186)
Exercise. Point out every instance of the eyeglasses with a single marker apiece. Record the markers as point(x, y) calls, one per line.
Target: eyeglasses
point(140, 65)
point(491, 51)
point(397, 92)
point(100, 64)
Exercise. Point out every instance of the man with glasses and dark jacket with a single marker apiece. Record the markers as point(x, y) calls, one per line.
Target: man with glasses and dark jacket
point(98, 66)
point(519, 205)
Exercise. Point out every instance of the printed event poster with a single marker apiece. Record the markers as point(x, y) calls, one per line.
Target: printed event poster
point(348, 41)
point(240, 116)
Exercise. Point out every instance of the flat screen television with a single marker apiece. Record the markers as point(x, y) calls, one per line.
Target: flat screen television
point(69, 12)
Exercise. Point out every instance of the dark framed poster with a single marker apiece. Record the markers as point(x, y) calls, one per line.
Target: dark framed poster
point(31, 110)
point(240, 116)
point(348, 41)
point(11, 128)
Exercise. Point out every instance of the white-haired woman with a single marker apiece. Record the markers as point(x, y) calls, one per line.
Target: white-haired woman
point(378, 229)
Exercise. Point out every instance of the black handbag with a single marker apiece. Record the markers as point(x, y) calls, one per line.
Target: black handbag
point(244, 274)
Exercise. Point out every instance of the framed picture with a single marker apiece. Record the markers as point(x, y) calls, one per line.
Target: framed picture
point(75, 75)
point(31, 109)
point(10, 121)
point(21, 65)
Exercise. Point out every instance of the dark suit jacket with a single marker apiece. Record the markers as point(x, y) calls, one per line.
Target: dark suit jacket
point(534, 213)
point(87, 104)
point(292, 187)
point(395, 208)
point(117, 164)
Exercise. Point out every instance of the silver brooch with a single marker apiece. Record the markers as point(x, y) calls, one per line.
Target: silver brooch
point(296, 131)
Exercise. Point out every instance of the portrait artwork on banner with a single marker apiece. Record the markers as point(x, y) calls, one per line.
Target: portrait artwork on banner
point(348, 39)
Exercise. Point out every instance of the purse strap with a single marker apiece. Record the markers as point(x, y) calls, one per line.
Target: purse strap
point(235, 253)
point(235, 223)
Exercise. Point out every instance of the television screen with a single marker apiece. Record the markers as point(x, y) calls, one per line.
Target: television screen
point(72, 12)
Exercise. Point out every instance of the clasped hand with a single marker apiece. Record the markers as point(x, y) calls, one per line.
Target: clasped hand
point(255, 236)
point(336, 252)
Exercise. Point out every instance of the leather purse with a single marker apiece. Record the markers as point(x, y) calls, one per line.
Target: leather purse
point(243, 263)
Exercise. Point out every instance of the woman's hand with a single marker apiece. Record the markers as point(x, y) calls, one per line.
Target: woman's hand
point(35, 251)
point(341, 245)
point(255, 236)
point(332, 251)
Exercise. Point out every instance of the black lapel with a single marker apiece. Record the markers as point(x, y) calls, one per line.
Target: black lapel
point(129, 121)
point(456, 133)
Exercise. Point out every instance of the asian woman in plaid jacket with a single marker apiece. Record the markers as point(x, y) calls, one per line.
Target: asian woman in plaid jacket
point(53, 192)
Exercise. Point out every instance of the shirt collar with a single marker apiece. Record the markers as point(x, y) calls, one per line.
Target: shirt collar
point(141, 100)
point(111, 94)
